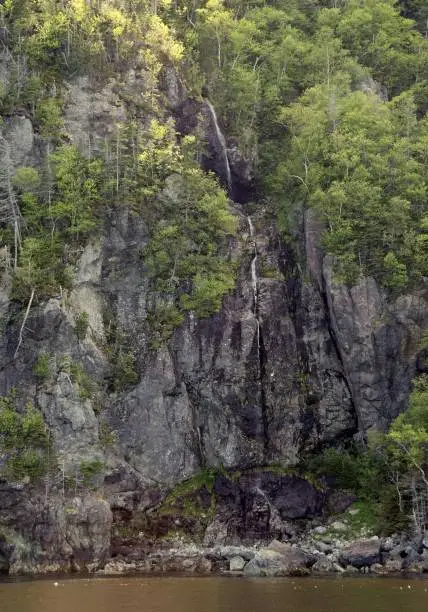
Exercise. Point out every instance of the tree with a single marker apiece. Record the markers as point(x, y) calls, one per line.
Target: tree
point(406, 448)
point(10, 213)
point(24, 440)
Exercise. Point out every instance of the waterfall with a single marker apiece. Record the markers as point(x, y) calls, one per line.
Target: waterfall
point(222, 144)
point(254, 280)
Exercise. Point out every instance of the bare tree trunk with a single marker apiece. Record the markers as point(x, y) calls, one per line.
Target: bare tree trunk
point(21, 331)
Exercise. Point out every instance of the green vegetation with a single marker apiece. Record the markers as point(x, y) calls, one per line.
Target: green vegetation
point(390, 475)
point(24, 441)
point(300, 85)
point(191, 502)
point(328, 98)
point(90, 471)
point(293, 81)
point(81, 324)
point(42, 368)
point(57, 221)
point(124, 373)
point(107, 436)
point(187, 257)
point(86, 385)
point(205, 478)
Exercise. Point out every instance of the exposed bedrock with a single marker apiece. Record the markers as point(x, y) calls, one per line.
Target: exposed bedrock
point(292, 362)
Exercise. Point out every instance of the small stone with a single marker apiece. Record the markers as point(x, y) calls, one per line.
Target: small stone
point(339, 526)
point(236, 564)
point(321, 530)
point(387, 544)
point(324, 547)
point(393, 566)
point(325, 566)
point(353, 511)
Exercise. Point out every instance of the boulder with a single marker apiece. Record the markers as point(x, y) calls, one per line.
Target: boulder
point(326, 566)
point(279, 560)
point(387, 544)
point(324, 547)
point(361, 553)
point(339, 526)
point(392, 566)
point(236, 564)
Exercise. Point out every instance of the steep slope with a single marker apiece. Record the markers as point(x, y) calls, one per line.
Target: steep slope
point(141, 389)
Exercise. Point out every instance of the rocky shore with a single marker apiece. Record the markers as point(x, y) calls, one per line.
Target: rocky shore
point(254, 524)
point(314, 556)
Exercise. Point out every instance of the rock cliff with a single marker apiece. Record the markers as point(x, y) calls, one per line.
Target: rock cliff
point(293, 362)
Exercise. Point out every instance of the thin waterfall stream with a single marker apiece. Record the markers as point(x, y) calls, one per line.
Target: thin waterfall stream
point(254, 279)
point(222, 142)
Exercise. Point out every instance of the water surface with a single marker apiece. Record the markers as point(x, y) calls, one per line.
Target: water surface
point(166, 594)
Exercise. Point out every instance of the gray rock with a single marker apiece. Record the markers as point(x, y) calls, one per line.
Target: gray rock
point(280, 560)
point(323, 547)
point(392, 566)
point(236, 564)
point(336, 362)
point(387, 544)
point(339, 526)
point(326, 566)
point(361, 553)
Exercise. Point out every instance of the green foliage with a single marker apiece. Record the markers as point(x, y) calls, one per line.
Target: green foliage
point(90, 472)
point(185, 499)
point(81, 324)
point(187, 255)
point(87, 386)
point(24, 440)
point(398, 467)
point(26, 180)
point(56, 222)
point(78, 182)
point(395, 272)
point(106, 435)
point(390, 519)
point(48, 117)
point(42, 368)
point(124, 370)
point(296, 85)
point(353, 469)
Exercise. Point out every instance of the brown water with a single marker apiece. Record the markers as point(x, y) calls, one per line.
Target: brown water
point(215, 595)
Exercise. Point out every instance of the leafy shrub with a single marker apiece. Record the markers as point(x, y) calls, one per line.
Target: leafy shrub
point(42, 368)
point(26, 180)
point(81, 325)
point(89, 471)
point(124, 372)
point(24, 440)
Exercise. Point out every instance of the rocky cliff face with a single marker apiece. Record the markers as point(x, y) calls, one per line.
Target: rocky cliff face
point(293, 361)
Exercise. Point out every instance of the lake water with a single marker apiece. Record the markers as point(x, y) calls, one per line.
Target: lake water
point(165, 594)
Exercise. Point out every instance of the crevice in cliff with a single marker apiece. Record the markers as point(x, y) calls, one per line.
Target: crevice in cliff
point(196, 444)
point(336, 344)
point(261, 352)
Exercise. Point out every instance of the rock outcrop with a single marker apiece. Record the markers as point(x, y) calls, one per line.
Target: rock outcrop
point(292, 362)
